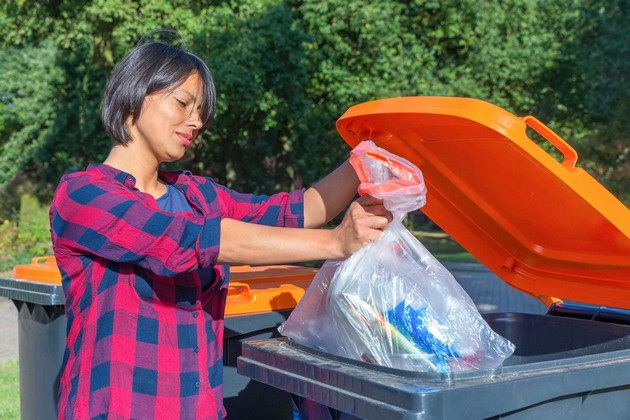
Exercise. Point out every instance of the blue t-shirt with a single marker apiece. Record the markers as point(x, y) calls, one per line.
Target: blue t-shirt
point(174, 201)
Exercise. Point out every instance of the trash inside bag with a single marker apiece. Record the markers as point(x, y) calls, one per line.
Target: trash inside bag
point(392, 303)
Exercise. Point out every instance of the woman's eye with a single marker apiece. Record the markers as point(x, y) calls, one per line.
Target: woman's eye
point(181, 103)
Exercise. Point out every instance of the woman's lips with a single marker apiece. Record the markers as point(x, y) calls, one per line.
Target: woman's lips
point(186, 139)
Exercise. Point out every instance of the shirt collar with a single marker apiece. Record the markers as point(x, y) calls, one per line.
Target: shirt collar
point(176, 177)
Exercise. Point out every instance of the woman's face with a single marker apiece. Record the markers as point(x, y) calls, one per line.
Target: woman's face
point(169, 121)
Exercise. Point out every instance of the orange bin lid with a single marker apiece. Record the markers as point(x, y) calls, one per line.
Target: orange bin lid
point(266, 288)
point(546, 228)
point(41, 269)
point(251, 289)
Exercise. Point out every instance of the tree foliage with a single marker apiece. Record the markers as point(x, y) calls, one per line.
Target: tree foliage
point(286, 70)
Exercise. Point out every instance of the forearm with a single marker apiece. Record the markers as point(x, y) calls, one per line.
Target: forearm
point(248, 243)
point(328, 197)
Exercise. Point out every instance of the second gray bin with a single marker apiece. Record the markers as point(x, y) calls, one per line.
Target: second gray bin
point(41, 336)
point(562, 366)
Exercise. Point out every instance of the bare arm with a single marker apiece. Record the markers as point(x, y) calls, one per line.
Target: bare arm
point(249, 243)
point(328, 197)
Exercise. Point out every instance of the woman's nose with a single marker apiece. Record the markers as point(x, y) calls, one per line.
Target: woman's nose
point(195, 120)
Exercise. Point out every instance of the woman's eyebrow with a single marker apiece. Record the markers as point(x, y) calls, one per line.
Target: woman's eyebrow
point(193, 97)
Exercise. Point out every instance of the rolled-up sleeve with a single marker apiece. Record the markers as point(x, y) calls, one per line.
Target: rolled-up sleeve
point(285, 209)
point(108, 220)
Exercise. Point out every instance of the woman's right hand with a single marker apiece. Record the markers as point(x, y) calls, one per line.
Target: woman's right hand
point(250, 243)
point(364, 222)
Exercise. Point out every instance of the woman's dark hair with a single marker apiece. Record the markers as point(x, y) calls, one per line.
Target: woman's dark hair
point(147, 69)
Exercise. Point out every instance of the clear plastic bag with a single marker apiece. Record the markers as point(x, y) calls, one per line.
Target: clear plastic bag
point(392, 303)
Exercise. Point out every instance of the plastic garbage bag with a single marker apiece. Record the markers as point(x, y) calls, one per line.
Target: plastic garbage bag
point(392, 303)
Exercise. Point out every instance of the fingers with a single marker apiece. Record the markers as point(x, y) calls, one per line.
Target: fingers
point(375, 215)
point(368, 200)
point(373, 229)
point(379, 210)
point(373, 205)
point(377, 222)
point(374, 209)
point(371, 236)
point(364, 222)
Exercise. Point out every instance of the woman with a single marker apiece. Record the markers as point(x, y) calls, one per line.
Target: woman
point(145, 254)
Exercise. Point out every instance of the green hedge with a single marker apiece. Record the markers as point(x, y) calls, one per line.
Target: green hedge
point(286, 70)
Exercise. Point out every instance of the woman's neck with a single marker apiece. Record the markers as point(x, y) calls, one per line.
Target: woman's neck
point(127, 159)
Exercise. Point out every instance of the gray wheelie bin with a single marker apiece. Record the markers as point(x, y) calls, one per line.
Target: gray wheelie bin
point(545, 227)
point(41, 338)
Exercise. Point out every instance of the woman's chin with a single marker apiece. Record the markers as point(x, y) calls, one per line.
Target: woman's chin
point(173, 156)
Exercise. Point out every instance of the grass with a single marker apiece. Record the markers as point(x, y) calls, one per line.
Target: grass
point(9, 390)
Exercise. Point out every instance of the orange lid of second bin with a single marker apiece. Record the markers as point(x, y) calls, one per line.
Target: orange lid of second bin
point(266, 288)
point(41, 269)
point(547, 228)
point(251, 289)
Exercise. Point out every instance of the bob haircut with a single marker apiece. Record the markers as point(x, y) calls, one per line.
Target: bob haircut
point(147, 69)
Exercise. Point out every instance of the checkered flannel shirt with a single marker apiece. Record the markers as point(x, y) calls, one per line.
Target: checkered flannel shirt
point(144, 340)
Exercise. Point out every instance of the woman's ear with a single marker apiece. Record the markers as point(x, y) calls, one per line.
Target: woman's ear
point(130, 123)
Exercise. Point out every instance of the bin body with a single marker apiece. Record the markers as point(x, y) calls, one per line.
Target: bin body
point(562, 366)
point(41, 338)
point(41, 344)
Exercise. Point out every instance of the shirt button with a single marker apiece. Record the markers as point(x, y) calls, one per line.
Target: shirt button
point(196, 349)
point(197, 384)
point(195, 314)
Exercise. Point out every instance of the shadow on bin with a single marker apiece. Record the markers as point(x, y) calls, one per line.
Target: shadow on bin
point(244, 398)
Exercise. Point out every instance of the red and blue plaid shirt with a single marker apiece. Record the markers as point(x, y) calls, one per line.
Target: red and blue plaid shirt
point(144, 340)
